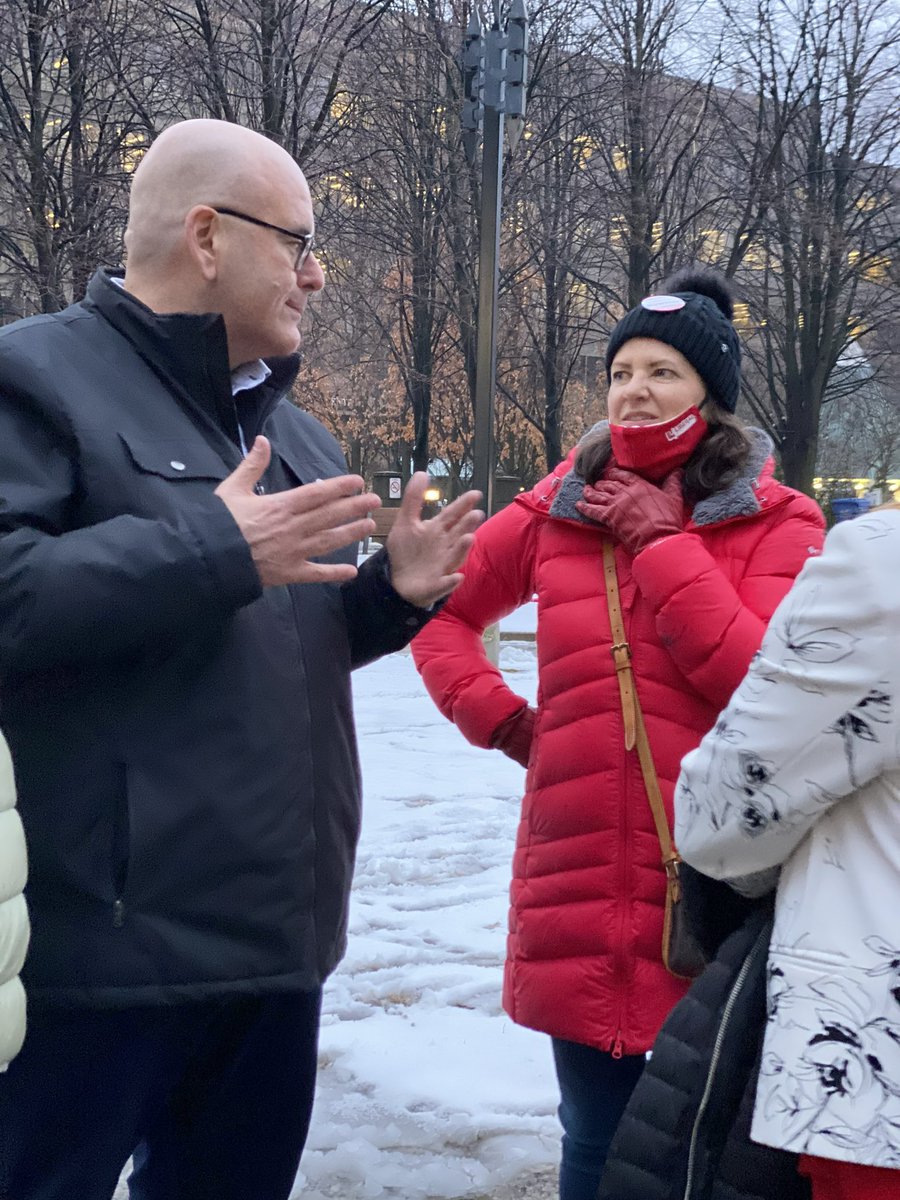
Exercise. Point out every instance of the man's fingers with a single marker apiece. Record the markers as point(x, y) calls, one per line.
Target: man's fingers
point(460, 551)
point(414, 495)
point(460, 509)
point(248, 473)
point(323, 541)
point(310, 496)
point(327, 572)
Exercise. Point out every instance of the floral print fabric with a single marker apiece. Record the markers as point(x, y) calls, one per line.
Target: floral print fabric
point(799, 781)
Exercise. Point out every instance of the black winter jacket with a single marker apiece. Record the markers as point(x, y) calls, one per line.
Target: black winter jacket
point(183, 740)
point(685, 1134)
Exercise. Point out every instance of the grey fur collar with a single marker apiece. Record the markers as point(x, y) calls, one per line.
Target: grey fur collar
point(738, 500)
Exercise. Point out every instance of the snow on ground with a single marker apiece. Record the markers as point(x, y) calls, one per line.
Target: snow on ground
point(426, 1090)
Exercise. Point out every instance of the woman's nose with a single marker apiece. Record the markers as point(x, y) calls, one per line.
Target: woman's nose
point(636, 385)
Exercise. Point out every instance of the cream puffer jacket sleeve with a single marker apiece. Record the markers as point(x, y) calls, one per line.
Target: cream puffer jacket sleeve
point(14, 927)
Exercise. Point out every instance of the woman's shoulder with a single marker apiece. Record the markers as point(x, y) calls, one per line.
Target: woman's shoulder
point(780, 502)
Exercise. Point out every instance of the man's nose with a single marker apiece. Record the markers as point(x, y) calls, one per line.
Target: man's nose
point(311, 277)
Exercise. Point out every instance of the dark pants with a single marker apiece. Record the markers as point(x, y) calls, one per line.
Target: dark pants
point(595, 1088)
point(212, 1099)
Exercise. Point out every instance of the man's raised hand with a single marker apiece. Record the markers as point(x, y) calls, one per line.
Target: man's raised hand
point(426, 555)
point(286, 530)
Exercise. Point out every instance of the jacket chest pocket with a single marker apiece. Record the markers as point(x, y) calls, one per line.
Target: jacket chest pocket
point(177, 462)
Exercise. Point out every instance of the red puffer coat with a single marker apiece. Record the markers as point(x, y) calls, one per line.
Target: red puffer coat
point(588, 891)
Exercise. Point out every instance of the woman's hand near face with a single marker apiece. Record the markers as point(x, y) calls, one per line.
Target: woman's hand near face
point(633, 509)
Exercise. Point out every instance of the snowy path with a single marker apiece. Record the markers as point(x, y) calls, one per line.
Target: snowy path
point(426, 1090)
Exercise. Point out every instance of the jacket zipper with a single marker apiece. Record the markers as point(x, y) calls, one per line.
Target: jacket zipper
point(121, 852)
point(714, 1061)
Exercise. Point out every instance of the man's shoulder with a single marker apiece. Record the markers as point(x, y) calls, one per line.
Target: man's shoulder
point(42, 327)
point(37, 343)
point(302, 428)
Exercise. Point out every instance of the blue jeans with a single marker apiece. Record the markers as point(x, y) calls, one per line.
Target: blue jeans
point(212, 1099)
point(595, 1088)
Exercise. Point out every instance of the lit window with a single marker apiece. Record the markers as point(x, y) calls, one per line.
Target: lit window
point(714, 243)
point(584, 149)
point(755, 257)
point(341, 106)
point(877, 270)
point(134, 149)
point(618, 230)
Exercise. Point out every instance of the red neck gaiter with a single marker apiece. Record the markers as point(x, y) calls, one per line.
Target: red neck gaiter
point(654, 451)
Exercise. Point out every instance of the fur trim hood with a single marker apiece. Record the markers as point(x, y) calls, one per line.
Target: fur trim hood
point(558, 493)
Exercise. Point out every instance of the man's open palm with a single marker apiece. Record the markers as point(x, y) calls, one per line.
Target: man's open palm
point(426, 555)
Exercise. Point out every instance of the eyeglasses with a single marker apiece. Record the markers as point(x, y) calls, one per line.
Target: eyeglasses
point(306, 240)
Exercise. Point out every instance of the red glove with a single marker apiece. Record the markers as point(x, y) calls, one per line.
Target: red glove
point(634, 510)
point(513, 736)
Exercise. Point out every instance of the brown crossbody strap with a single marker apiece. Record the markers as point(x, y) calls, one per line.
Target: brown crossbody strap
point(635, 731)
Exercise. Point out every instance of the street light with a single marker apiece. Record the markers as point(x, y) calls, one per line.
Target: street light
point(495, 71)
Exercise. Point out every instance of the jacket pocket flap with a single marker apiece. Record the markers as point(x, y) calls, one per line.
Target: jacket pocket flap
point(175, 460)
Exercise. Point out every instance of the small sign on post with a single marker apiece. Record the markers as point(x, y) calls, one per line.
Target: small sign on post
point(394, 488)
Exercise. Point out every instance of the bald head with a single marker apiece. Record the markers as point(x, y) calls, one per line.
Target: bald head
point(200, 162)
point(218, 219)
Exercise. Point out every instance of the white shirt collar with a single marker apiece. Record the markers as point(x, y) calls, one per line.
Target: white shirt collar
point(249, 375)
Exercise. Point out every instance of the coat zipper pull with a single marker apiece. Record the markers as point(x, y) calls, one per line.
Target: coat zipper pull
point(617, 1045)
point(118, 913)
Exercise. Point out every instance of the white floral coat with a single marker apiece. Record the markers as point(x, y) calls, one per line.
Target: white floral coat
point(802, 773)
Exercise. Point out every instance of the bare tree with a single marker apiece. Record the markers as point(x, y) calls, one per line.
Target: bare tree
point(819, 273)
point(69, 142)
point(275, 65)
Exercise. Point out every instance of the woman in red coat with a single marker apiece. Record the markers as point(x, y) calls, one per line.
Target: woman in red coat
point(706, 545)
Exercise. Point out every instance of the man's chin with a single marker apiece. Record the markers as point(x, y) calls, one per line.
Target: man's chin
point(284, 346)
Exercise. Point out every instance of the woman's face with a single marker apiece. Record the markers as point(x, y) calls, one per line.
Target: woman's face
point(651, 382)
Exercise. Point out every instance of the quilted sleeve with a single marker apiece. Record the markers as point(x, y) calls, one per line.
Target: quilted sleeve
point(709, 627)
point(449, 652)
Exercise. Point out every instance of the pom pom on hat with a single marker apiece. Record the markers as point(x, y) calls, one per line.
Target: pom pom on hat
point(700, 327)
point(702, 283)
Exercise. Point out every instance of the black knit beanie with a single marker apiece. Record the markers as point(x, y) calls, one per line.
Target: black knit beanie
point(700, 327)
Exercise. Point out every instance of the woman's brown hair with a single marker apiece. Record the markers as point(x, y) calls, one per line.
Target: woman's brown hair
point(716, 463)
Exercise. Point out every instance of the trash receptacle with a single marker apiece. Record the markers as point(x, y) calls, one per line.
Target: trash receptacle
point(388, 487)
point(844, 508)
point(506, 488)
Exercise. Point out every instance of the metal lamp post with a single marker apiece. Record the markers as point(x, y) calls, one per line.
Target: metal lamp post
point(495, 68)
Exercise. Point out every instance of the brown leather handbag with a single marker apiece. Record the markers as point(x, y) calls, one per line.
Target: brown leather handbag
point(681, 952)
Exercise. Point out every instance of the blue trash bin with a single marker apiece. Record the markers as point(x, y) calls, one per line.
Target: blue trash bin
point(844, 508)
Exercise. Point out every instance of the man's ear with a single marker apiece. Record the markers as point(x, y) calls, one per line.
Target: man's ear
point(202, 234)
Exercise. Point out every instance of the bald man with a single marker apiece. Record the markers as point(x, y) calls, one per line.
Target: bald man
point(180, 610)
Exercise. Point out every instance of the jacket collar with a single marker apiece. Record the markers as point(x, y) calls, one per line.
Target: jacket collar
point(189, 353)
point(737, 500)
